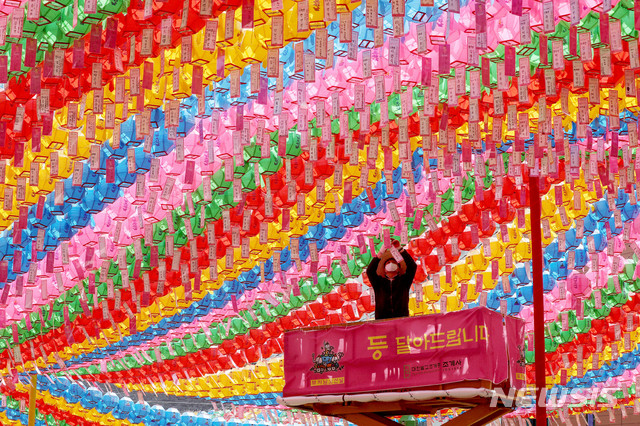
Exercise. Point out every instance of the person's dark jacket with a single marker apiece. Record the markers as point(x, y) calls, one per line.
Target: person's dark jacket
point(392, 296)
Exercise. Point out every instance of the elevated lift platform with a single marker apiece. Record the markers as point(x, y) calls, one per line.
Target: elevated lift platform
point(473, 397)
point(368, 372)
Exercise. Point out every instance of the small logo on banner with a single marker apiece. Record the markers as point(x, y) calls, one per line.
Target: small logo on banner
point(522, 362)
point(327, 360)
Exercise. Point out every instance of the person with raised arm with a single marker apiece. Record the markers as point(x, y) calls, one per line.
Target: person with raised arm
point(391, 280)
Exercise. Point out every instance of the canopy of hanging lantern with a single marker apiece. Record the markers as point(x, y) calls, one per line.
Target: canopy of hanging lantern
point(184, 181)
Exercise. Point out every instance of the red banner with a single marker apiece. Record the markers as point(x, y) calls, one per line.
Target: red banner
point(474, 344)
